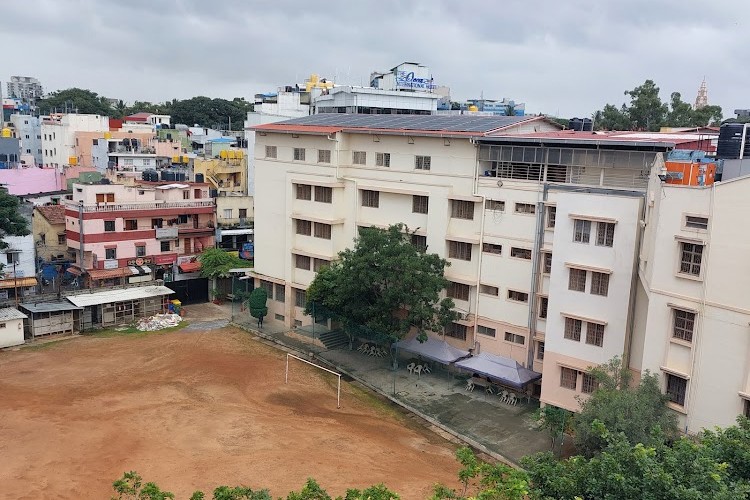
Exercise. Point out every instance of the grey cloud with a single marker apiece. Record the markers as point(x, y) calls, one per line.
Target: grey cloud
point(559, 57)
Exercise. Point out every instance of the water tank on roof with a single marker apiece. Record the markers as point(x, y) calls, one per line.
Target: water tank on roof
point(730, 141)
point(224, 154)
point(126, 142)
point(587, 125)
point(198, 177)
point(575, 124)
point(5, 133)
point(473, 109)
point(107, 135)
point(180, 176)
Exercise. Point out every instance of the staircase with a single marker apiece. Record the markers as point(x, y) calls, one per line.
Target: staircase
point(335, 339)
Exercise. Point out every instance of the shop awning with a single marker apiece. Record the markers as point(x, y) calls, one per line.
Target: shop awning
point(17, 282)
point(190, 267)
point(433, 349)
point(140, 270)
point(105, 274)
point(74, 271)
point(505, 370)
point(121, 295)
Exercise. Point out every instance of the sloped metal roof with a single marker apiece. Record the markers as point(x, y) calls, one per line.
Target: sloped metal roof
point(121, 295)
point(433, 123)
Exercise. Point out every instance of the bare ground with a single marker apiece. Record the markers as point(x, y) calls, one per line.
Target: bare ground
point(195, 409)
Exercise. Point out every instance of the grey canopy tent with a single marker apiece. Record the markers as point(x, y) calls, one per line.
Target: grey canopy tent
point(507, 371)
point(433, 349)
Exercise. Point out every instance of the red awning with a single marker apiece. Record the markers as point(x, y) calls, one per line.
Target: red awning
point(190, 267)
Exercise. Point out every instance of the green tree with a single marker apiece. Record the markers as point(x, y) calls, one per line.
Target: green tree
point(556, 421)
point(208, 112)
point(130, 487)
point(493, 481)
point(680, 113)
point(376, 492)
point(612, 118)
point(311, 491)
point(216, 263)
point(12, 223)
point(257, 304)
point(81, 100)
point(384, 286)
point(639, 412)
point(646, 110)
point(707, 116)
point(240, 493)
point(685, 470)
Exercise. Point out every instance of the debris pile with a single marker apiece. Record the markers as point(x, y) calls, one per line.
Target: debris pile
point(158, 322)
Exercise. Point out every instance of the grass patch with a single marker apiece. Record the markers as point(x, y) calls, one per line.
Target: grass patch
point(132, 331)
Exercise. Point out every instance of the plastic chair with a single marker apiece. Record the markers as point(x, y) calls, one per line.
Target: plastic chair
point(426, 369)
point(418, 370)
point(512, 399)
point(488, 389)
point(469, 385)
point(363, 347)
point(410, 367)
point(503, 396)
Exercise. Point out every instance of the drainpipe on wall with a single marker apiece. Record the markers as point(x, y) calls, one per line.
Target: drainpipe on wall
point(475, 192)
point(80, 234)
point(536, 253)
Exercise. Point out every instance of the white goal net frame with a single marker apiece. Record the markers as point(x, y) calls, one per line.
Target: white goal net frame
point(338, 375)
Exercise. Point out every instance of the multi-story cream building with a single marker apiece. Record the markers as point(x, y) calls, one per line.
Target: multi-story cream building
point(566, 248)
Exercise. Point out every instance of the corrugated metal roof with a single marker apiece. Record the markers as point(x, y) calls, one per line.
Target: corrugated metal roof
point(41, 307)
point(436, 123)
point(18, 282)
point(7, 313)
point(106, 297)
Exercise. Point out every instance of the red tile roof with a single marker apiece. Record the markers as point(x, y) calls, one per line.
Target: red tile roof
point(55, 214)
point(138, 117)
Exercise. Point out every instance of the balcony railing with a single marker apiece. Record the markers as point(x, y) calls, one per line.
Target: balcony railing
point(156, 205)
point(166, 233)
point(196, 230)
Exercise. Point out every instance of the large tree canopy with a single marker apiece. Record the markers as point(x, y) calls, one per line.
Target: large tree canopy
point(216, 263)
point(75, 100)
point(384, 286)
point(12, 223)
point(639, 412)
point(646, 111)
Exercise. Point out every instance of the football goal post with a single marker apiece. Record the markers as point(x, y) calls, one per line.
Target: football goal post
point(338, 375)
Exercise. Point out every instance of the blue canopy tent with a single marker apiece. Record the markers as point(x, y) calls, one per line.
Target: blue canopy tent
point(507, 371)
point(433, 349)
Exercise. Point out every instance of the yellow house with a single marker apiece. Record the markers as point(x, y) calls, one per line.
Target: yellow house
point(48, 228)
point(226, 174)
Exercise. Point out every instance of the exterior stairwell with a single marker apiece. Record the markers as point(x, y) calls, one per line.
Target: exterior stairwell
point(334, 339)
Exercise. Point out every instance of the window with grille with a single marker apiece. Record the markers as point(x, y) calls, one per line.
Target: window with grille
point(588, 383)
point(540, 351)
point(140, 250)
point(683, 325)
point(455, 330)
point(322, 230)
point(370, 198)
point(543, 305)
point(359, 157)
point(268, 287)
point(304, 192)
point(131, 224)
point(419, 204)
point(383, 159)
point(595, 334)
point(605, 234)
point(318, 264)
point(746, 408)
point(676, 389)
point(691, 255)
point(109, 253)
point(278, 317)
point(489, 290)
point(280, 293)
point(61, 239)
point(227, 213)
point(599, 284)
point(581, 230)
point(485, 330)
point(303, 227)
point(419, 241)
point(695, 222)
point(494, 205)
point(492, 248)
point(568, 377)
point(516, 339)
point(299, 298)
point(520, 253)
point(299, 154)
point(324, 156)
point(302, 262)
point(461, 209)
point(459, 250)
point(525, 208)
point(323, 194)
point(573, 329)
point(547, 263)
point(270, 151)
point(109, 225)
point(518, 296)
point(457, 291)
point(577, 280)
point(422, 162)
point(551, 215)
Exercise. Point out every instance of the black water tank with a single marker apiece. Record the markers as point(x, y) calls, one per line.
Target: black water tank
point(587, 125)
point(213, 193)
point(730, 141)
point(180, 177)
point(198, 177)
point(575, 124)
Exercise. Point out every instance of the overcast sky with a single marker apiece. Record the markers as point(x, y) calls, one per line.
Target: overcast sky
point(560, 57)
